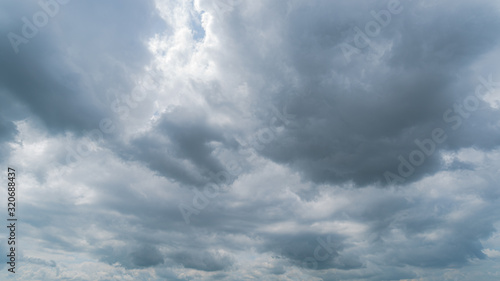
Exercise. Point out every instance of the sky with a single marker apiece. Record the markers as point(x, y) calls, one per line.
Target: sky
point(251, 140)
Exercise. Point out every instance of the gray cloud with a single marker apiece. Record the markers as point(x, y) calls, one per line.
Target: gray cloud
point(179, 137)
point(136, 256)
point(63, 73)
point(356, 134)
point(263, 89)
point(203, 260)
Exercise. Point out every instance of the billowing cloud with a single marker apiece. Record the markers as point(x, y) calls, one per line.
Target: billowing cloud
point(243, 140)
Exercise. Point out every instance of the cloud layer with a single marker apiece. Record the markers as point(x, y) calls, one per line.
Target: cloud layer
point(238, 140)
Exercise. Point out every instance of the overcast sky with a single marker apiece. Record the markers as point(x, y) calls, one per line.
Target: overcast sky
point(252, 140)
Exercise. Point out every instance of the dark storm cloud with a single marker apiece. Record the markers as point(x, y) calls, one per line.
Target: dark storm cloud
point(181, 146)
point(146, 255)
point(131, 256)
point(353, 119)
point(302, 250)
point(63, 72)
